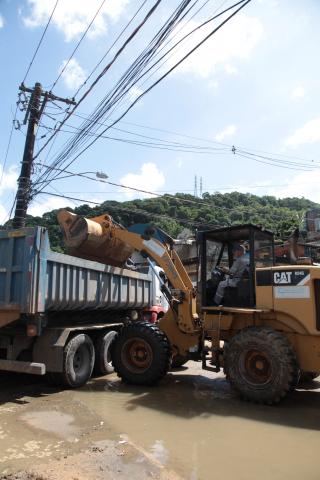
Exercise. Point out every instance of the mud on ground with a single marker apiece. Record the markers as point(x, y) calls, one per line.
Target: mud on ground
point(192, 427)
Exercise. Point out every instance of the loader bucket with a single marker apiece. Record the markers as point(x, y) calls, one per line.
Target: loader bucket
point(93, 239)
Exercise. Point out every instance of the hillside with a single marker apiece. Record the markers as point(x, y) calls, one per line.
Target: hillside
point(174, 212)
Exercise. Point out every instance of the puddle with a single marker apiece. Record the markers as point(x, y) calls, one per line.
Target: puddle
point(61, 424)
point(191, 424)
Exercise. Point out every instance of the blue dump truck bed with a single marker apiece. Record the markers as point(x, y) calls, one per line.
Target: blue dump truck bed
point(35, 280)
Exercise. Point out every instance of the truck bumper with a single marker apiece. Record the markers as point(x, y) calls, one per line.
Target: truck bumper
point(23, 367)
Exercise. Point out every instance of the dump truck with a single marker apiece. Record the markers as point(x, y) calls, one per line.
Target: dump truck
point(59, 313)
point(265, 334)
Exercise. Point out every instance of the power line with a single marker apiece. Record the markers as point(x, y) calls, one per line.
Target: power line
point(111, 47)
point(78, 44)
point(104, 71)
point(40, 41)
point(243, 4)
point(198, 149)
point(136, 66)
point(7, 151)
point(222, 146)
point(175, 198)
point(139, 125)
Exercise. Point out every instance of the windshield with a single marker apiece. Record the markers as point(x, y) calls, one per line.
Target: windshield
point(263, 250)
point(213, 253)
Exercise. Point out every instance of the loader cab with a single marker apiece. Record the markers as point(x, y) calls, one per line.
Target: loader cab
point(217, 253)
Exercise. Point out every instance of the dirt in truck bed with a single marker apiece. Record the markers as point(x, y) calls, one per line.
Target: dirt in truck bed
point(189, 427)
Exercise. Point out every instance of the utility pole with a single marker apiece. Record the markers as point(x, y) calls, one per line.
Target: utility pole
point(33, 115)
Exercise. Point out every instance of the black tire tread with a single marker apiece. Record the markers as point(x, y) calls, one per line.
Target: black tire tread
point(286, 357)
point(99, 367)
point(62, 378)
point(306, 377)
point(178, 361)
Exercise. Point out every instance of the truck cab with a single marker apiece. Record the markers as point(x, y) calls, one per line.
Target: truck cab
point(217, 257)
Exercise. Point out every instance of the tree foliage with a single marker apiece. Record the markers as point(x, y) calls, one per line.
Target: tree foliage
point(172, 213)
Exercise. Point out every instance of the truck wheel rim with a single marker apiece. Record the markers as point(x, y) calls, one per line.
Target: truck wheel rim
point(137, 355)
point(256, 367)
point(79, 359)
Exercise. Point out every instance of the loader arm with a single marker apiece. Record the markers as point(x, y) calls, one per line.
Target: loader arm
point(98, 236)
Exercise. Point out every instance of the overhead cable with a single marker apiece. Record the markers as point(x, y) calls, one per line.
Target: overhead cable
point(40, 41)
point(103, 72)
point(78, 44)
point(243, 4)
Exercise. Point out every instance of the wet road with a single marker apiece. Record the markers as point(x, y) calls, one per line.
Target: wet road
point(192, 424)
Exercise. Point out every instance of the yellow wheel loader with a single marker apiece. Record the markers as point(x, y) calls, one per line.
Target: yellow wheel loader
point(264, 334)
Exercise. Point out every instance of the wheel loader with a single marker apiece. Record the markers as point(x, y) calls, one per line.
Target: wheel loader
point(265, 334)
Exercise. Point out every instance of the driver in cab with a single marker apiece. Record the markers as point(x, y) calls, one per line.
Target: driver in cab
point(233, 274)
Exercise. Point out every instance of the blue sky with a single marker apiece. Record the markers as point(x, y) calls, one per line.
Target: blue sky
point(253, 85)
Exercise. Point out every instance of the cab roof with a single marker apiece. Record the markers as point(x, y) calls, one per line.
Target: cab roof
point(234, 232)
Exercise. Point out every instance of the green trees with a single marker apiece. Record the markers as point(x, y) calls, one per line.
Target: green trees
point(172, 213)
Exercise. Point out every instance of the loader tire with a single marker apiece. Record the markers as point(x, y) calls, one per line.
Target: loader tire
point(78, 362)
point(103, 362)
point(178, 361)
point(306, 377)
point(141, 354)
point(261, 365)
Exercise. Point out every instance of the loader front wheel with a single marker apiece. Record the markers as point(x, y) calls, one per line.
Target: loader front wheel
point(141, 354)
point(261, 365)
point(307, 377)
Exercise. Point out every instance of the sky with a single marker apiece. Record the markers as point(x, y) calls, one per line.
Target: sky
point(254, 85)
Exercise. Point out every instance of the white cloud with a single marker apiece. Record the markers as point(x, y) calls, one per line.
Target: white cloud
point(230, 69)
point(298, 92)
point(226, 132)
point(74, 75)
point(304, 184)
point(7, 189)
point(309, 133)
point(72, 18)
point(234, 41)
point(45, 204)
point(1, 21)
point(213, 84)
point(134, 93)
point(179, 162)
point(149, 178)
point(9, 179)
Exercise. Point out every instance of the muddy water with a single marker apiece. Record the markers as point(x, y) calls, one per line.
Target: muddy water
point(192, 424)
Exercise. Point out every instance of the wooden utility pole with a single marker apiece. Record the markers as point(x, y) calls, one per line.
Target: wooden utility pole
point(34, 112)
point(25, 174)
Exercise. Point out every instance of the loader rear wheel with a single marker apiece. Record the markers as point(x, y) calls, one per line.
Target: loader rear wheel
point(261, 365)
point(141, 354)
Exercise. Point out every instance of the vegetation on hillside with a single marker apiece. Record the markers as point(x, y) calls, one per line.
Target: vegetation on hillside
point(174, 212)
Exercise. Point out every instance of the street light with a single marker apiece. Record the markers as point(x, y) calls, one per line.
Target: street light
point(102, 175)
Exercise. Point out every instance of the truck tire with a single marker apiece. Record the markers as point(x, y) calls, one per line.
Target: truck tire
point(261, 365)
point(103, 362)
point(178, 361)
point(306, 377)
point(141, 354)
point(78, 362)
